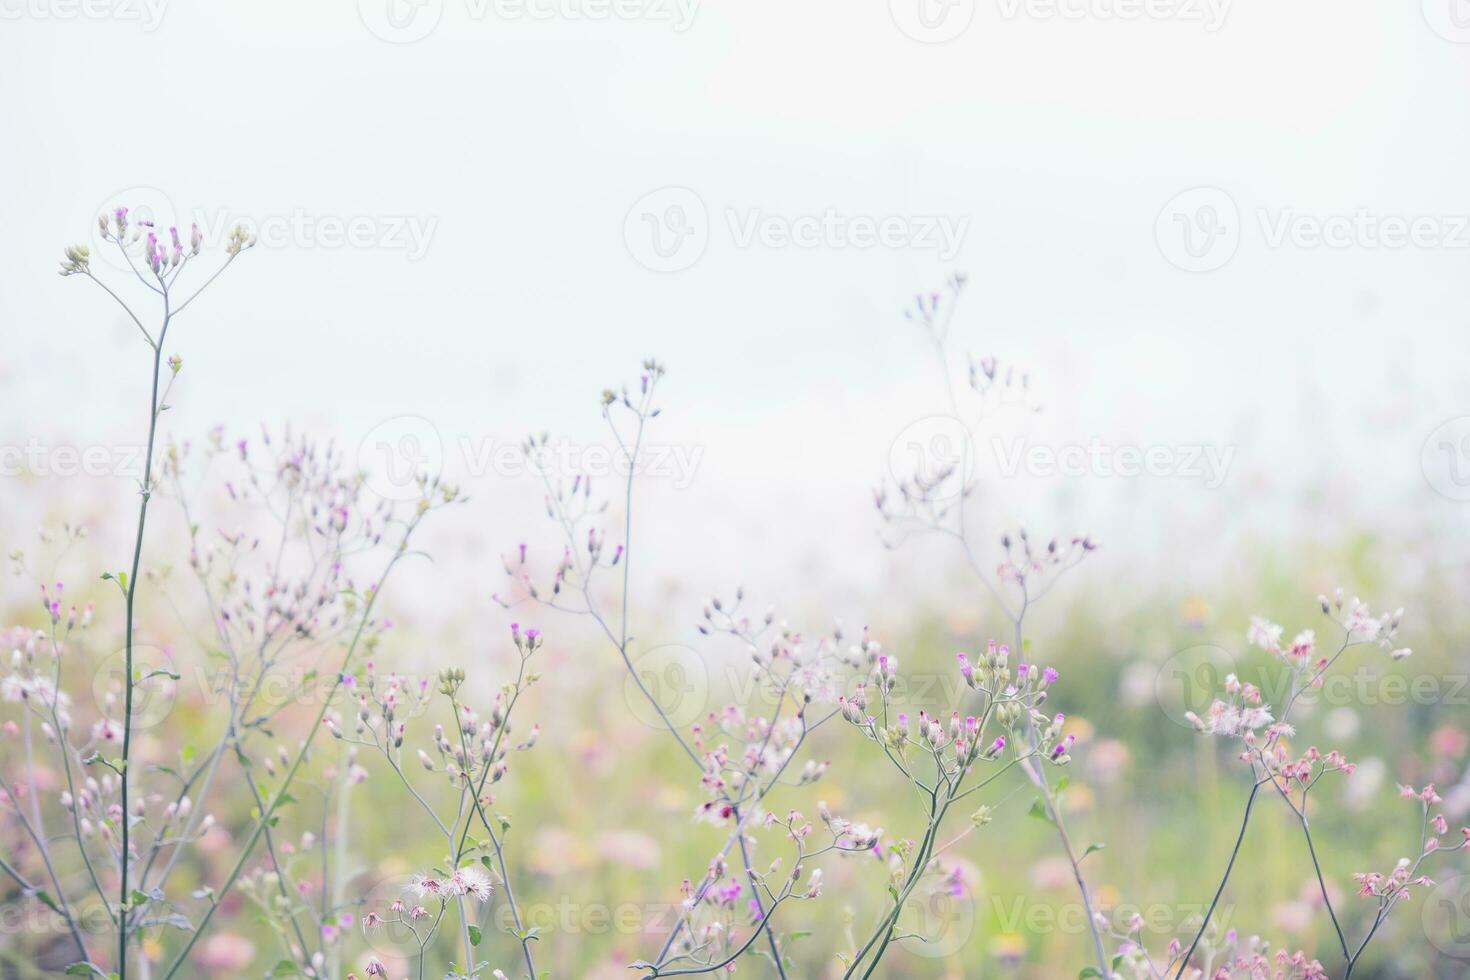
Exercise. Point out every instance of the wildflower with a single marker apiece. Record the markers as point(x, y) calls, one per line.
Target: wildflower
point(427, 886)
point(1264, 634)
point(471, 880)
point(1059, 753)
point(77, 261)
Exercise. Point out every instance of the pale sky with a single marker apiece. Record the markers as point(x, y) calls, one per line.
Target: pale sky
point(504, 174)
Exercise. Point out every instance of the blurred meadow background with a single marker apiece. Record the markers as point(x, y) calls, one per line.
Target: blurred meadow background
point(1231, 235)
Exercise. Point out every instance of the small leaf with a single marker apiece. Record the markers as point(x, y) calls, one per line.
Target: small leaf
point(474, 935)
point(1038, 810)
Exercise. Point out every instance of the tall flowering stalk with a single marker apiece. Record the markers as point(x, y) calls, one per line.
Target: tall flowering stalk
point(935, 500)
point(158, 265)
point(305, 600)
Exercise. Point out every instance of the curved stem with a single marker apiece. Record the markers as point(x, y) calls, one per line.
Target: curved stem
point(1240, 839)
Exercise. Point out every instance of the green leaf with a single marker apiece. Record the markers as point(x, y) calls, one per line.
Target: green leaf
point(1090, 849)
point(285, 968)
point(474, 935)
point(1038, 810)
point(1091, 971)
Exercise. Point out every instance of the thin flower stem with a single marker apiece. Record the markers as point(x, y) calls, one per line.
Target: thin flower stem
point(761, 908)
point(66, 751)
point(1039, 776)
point(1239, 839)
point(270, 847)
point(510, 897)
point(127, 309)
point(132, 593)
point(61, 904)
point(1301, 814)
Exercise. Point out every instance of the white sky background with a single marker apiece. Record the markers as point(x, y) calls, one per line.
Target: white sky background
point(524, 142)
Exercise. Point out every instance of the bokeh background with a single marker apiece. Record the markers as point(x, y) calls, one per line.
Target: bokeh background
point(1231, 231)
